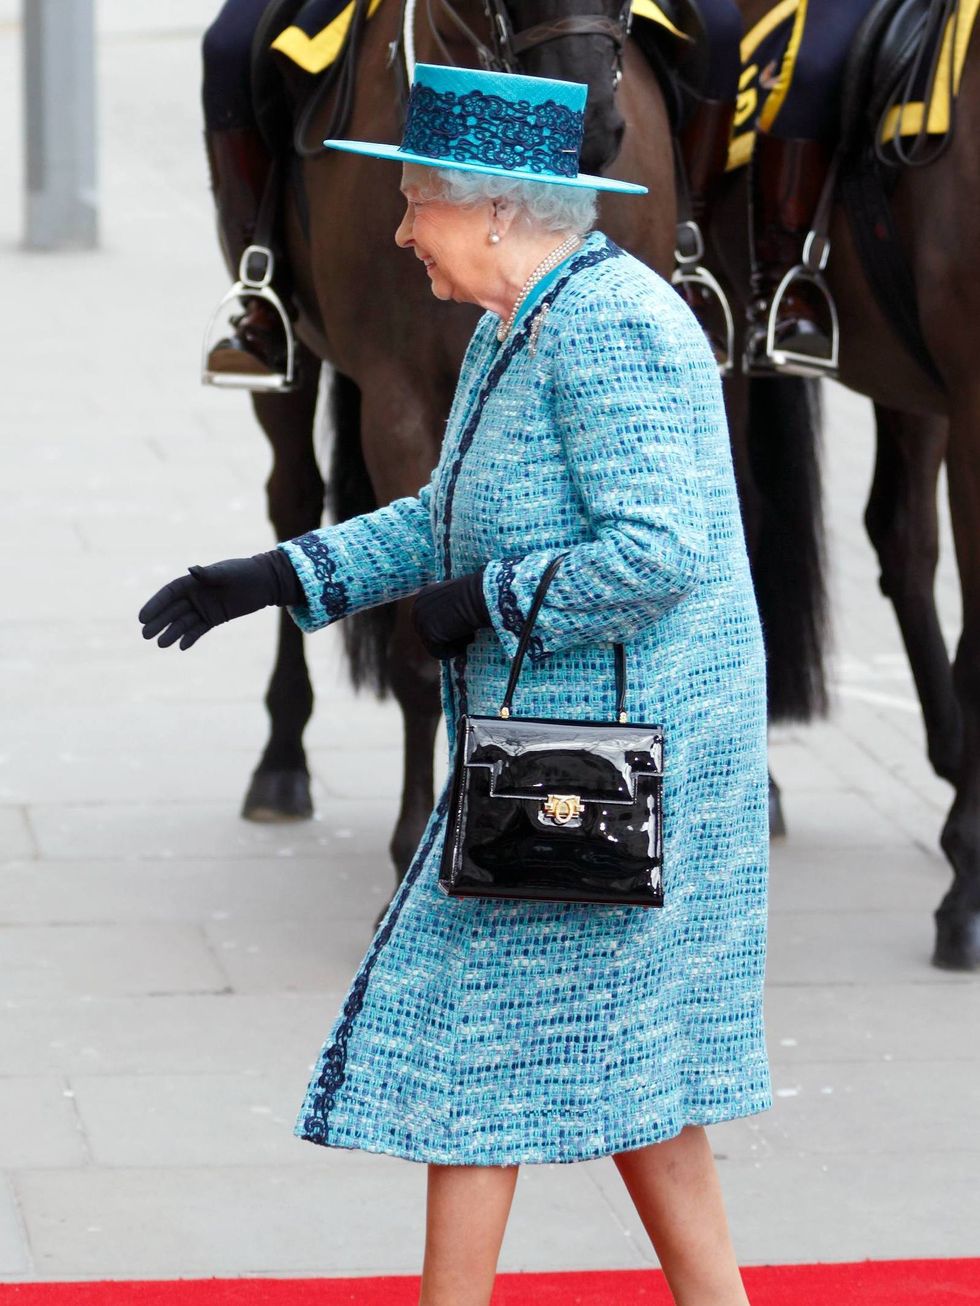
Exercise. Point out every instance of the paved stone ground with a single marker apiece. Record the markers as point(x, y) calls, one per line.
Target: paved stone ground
point(168, 971)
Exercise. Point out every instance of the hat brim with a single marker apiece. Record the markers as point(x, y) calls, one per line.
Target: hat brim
point(583, 181)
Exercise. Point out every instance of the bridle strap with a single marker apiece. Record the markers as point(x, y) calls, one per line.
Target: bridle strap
point(574, 25)
point(508, 45)
point(488, 60)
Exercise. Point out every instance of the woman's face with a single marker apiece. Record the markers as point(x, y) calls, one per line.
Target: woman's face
point(450, 239)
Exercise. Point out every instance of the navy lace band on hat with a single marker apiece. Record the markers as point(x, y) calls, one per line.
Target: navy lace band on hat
point(478, 128)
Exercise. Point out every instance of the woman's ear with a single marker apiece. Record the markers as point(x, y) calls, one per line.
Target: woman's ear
point(502, 215)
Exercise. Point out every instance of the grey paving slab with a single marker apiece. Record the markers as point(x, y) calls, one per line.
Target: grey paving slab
point(160, 1035)
point(16, 835)
point(15, 1258)
point(291, 954)
point(199, 830)
point(80, 775)
point(103, 723)
point(58, 539)
point(865, 766)
point(830, 1022)
point(39, 1125)
point(874, 947)
point(193, 1120)
point(852, 1208)
point(840, 828)
point(338, 887)
point(224, 1220)
point(908, 1108)
point(71, 960)
point(803, 879)
point(363, 772)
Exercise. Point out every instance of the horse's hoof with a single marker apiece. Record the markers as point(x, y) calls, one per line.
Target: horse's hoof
point(777, 822)
point(278, 796)
point(957, 943)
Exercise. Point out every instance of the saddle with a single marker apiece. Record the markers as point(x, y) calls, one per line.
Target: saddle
point(898, 111)
point(304, 52)
point(688, 59)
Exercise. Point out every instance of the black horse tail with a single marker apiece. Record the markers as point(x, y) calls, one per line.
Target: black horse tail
point(349, 493)
point(785, 420)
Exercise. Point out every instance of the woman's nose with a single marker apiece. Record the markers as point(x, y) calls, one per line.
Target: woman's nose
point(403, 234)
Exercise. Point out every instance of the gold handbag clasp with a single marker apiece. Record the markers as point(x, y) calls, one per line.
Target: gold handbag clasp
point(562, 807)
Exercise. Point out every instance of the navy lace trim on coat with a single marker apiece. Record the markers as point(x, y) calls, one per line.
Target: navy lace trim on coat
point(480, 128)
point(333, 595)
point(335, 1059)
point(459, 673)
point(511, 616)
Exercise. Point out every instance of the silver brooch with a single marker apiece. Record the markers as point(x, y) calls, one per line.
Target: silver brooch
point(536, 325)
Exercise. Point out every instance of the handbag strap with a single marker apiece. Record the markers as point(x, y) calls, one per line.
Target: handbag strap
point(525, 639)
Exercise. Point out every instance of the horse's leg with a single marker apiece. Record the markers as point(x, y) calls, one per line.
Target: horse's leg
point(958, 917)
point(280, 786)
point(903, 526)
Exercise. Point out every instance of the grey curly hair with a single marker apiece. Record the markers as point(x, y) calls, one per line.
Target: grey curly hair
point(540, 204)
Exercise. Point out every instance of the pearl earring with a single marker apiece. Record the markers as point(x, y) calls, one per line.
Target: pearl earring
point(494, 238)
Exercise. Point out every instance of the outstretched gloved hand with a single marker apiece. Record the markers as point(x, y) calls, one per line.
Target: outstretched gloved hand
point(448, 614)
point(208, 596)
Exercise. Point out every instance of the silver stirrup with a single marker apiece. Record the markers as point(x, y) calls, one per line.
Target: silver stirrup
point(816, 251)
point(252, 287)
point(690, 271)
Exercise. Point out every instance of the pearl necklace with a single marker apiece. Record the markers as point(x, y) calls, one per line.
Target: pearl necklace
point(560, 252)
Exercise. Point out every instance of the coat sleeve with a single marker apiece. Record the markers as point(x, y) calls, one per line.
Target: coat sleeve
point(371, 559)
point(625, 411)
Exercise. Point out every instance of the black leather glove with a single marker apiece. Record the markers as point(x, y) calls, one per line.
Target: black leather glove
point(448, 614)
point(191, 605)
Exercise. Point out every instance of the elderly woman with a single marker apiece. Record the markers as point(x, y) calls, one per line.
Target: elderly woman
point(480, 1034)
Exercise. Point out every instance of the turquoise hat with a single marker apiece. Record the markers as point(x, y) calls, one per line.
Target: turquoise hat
point(528, 128)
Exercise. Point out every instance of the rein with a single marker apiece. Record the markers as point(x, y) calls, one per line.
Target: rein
point(938, 27)
point(340, 76)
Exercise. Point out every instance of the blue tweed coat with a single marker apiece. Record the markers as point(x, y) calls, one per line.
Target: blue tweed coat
point(487, 1033)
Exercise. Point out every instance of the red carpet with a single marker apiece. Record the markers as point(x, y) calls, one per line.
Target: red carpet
point(868, 1283)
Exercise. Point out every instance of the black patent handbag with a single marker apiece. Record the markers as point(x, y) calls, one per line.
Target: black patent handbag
point(561, 811)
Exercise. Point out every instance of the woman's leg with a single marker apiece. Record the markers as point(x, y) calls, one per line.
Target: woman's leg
point(466, 1215)
point(675, 1189)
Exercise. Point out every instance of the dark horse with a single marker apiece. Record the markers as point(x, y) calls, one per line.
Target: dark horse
point(395, 354)
point(921, 419)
